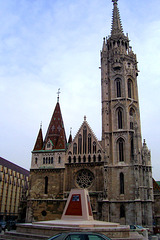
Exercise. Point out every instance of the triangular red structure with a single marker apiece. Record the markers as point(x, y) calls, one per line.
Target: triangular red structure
point(39, 142)
point(56, 132)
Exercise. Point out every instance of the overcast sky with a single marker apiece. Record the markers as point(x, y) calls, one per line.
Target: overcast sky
point(51, 44)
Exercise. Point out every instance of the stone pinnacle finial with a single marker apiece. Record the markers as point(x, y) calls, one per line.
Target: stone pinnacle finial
point(41, 125)
point(58, 94)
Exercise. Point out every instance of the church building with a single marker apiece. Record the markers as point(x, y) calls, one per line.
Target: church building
point(117, 169)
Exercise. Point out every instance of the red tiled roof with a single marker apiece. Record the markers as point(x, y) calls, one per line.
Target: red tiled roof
point(56, 132)
point(13, 166)
point(156, 187)
point(39, 142)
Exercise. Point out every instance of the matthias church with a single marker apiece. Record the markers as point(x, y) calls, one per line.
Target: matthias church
point(117, 169)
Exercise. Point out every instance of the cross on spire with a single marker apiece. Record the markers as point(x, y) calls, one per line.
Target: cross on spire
point(58, 94)
point(114, 1)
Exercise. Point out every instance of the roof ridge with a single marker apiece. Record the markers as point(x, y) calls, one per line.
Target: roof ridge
point(13, 166)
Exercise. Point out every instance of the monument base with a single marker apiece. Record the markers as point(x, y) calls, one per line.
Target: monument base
point(50, 228)
point(77, 217)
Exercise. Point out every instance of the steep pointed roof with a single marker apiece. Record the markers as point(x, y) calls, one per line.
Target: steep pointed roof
point(70, 136)
point(56, 132)
point(39, 142)
point(117, 28)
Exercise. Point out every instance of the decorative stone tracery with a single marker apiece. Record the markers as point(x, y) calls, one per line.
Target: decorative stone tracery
point(84, 178)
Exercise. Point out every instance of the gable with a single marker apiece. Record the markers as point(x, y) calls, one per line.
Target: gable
point(85, 147)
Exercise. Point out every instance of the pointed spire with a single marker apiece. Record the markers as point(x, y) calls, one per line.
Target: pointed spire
point(70, 136)
point(39, 142)
point(117, 28)
point(56, 132)
point(104, 48)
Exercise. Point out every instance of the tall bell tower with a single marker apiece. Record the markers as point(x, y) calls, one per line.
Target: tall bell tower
point(128, 173)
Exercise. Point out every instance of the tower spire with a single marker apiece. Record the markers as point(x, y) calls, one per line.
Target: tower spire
point(117, 28)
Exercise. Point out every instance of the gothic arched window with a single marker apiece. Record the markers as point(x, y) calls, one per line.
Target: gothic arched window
point(94, 147)
point(89, 143)
point(84, 140)
point(79, 144)
point(69, 159)
point(120, 118)
point(121, 149)
point(121, 183)
point(89, 158)
point(130, 88)
point(74, 159)
point(46, 185)
point(118, 87)
point(75, 148)
point(59, 159)
point(99, 158)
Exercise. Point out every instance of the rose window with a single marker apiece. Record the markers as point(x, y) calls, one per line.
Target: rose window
point(84, 178)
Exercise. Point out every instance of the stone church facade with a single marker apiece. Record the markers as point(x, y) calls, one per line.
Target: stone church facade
point(116, 170)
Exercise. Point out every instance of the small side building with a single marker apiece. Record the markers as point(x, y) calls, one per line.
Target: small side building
point(156, 191)
point(13, 190)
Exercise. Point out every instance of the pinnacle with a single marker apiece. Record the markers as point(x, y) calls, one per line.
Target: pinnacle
point(117, 28)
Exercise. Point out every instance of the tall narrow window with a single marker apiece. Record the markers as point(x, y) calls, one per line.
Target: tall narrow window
point(84, 140)
point(130, 89)
point(46, 185)
point(131, 125)
point(118, 86)
point(79, 144)
point(74, 159)
point(131, 112)
point(89, 143)
point(132, 148)
point(75, 148)
point(59, 159)
point(122, 211)
point(120, 123)
point(94, 147)
point(121, 149)
point(121, 183)
point(69, 159)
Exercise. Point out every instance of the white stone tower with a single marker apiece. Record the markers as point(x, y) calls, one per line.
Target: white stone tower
point(128, 173)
